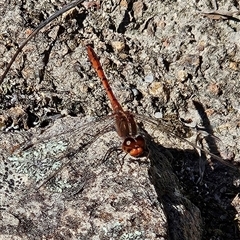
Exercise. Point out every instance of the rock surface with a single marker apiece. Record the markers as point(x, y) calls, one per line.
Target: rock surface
point(175, 58)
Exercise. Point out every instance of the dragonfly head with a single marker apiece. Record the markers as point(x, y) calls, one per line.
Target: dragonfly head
point(135, 146)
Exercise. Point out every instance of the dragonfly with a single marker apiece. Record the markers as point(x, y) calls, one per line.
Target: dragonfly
point(125, 124)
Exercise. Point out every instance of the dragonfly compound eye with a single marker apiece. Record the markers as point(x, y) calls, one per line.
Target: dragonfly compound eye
point(135, 146)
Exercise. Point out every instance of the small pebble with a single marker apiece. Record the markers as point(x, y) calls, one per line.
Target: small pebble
point(148, 78)
point(158, 115)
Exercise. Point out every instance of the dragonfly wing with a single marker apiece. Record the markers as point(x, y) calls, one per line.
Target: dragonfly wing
point(175, 129)
point(58, 146)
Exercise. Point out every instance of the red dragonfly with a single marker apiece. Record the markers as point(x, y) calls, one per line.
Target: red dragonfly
point(125, 125)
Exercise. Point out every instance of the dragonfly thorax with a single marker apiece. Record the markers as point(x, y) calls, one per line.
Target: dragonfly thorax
point(125, 124)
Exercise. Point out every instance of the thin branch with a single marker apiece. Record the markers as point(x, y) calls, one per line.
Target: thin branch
point(41, 25)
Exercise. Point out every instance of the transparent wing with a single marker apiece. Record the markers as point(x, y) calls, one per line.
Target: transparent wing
point(73, 130)
point(47, 154)
point(176, 129)
point(171, 127)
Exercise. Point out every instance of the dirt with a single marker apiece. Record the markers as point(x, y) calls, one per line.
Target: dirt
point(162, 58)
